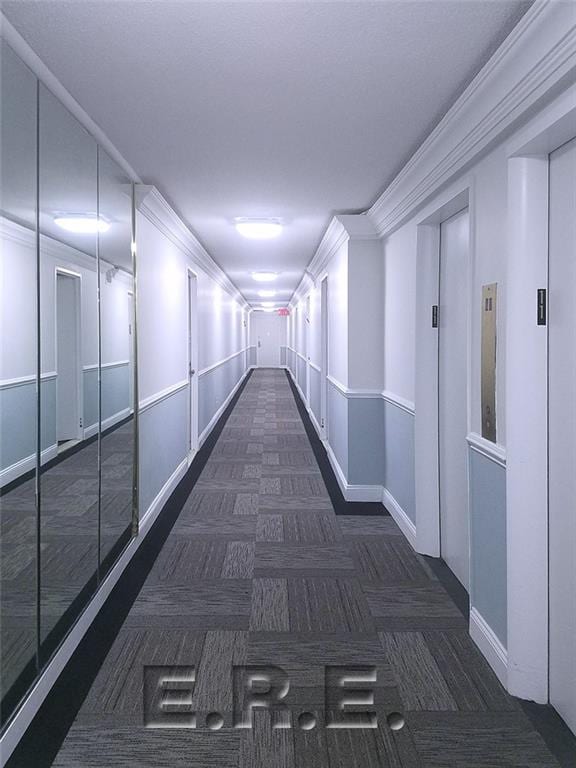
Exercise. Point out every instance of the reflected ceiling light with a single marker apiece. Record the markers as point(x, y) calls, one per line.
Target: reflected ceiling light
point(267, 303)
point(258, 229)
point(264, 277)
point(266, 294)
point(82, 223)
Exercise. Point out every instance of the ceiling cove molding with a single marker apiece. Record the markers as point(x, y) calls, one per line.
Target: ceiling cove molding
point(538, 55)
point(152, 205)
point(342, 228)
point(49, 79)
point(49, 246)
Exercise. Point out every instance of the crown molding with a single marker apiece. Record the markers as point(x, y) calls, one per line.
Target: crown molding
point(24, 235)
point(342, 228)
point(536, 59)
point(152, 205)
point(47, 77)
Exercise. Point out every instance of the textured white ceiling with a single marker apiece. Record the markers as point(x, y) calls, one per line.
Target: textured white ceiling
point(296, 110)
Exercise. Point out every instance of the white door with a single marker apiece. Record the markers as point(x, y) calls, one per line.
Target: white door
point(324, 356)
point(452, 394)
point(68, 366)
point(131, 350)
point(562, 431)
point(192, 362)
point(307, 326)
point(266, 328)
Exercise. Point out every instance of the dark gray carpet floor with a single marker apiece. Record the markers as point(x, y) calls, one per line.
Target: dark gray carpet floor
point(259, 570)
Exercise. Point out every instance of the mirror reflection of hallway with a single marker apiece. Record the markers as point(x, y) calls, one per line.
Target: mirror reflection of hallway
point(68, 366)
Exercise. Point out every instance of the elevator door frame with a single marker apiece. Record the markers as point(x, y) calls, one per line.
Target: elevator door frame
point(448, 519)
point(427, 428)
point(527, 398)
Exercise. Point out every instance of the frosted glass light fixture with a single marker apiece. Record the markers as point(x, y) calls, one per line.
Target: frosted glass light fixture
point(258, 229)
point(82, 223)
point(266, 294)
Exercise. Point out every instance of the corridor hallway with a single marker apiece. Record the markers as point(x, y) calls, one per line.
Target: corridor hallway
point(259, 570)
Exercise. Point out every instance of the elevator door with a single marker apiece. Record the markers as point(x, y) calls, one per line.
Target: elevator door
point(562, 431)
point(452, 394)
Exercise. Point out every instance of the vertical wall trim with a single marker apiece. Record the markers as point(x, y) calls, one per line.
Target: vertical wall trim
point(38, 386)
point(527, 430)
point(135, 395)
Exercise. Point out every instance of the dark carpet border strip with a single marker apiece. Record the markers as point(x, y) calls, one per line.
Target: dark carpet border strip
point(450, 583)
point(341, 506)
point(42, 740)
point(556, 735)
point(554, 732)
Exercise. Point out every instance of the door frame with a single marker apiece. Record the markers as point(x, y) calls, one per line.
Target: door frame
point(192, 359)
point(526, 393)
point(307, 333)
point(426, 442)
point(324, 356)
point(77, 277)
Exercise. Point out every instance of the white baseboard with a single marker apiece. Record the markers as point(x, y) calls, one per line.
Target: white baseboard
point(107, 423)
point(206, 431)
point(401, 519)
point(490, 646)
point(349, 491)
point(19, 468)
point(164, 493)
point(33, 701)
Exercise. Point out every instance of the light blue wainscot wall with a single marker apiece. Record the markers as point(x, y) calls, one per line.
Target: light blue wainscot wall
point(314, 394)
point(488, 541)
point(292, 362)
point(18, 425)
point(215, 385)
point(90, 384)
point(337, 407)
point(399, 465)
point(381, 448)
point(115, 391)
point(301, 369)
point(365, 440)
point(163, 443)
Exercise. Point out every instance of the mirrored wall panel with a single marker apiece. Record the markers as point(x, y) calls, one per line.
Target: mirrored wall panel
point(68, 206)
point(18, 379)
point(116, 358)
point(67, 374)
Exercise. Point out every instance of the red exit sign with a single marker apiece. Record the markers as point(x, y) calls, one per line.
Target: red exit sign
point(284, 311)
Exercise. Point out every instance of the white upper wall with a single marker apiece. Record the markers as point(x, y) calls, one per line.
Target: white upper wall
point(399, 310)
point(163, 313)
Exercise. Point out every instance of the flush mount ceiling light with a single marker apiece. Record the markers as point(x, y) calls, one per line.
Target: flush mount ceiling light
point(264, 277)
point(266, 294)
point(268, 309)
point(258, 229)
point(267, 303)
point(82, 223)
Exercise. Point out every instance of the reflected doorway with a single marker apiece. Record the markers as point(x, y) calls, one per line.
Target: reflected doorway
point(68, 363)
